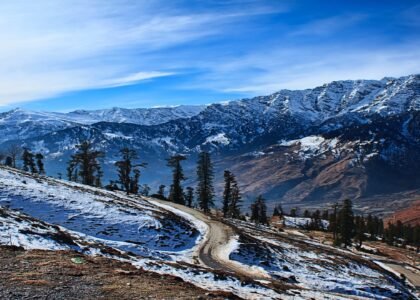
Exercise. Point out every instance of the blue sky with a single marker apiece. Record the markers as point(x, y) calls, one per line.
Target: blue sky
point(66, 55)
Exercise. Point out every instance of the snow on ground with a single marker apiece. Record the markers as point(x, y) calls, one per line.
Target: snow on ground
point(22, 233)
point(313, 266)
point(17, 229)
point(300, 222)
point(219, 138)
point(198, 224)
point(312, 145)
point(131, 226)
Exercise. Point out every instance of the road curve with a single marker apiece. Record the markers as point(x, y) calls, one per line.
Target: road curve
point(214, 249)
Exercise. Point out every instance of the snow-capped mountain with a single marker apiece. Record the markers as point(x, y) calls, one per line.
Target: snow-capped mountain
point(20, 124)
point(140, 116)
point(351, 122)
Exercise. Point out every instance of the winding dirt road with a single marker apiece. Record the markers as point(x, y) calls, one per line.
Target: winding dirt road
point(214, 249)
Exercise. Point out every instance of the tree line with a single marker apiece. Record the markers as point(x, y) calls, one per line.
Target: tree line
point(84, 167)
point(31, 162)
point(348, 228)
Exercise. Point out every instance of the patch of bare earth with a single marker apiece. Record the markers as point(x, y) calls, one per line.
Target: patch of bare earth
point(38, 274)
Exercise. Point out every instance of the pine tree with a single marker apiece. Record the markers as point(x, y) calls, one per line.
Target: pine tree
point(84, 163)
point(259, 211)
point(325, 215)
point(231, 196)
point(236, 200)
point(9, 161)
point(176, 193)
point(360, 230)
point(128, 171)
point(293, 212)
point(40, 164)
point(25, 159)
point(278, 211)
point(370, 227)
point(134, 181)
point(227, 192)
point(28, 161)
point(204, 190)
point(161, 191)
point(334, 223)
point(189, 196)
point(346, 223)
point(72, 171)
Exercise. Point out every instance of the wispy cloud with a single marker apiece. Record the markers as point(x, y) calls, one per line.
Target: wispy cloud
point(50, 47)
point(327, 26)
point(301, 68)
point(53, 47)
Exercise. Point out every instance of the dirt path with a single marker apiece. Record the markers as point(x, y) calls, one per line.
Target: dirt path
point(411, 276)
point(215, 247)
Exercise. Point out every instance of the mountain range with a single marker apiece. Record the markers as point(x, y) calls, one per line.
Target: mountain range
point(307, 148)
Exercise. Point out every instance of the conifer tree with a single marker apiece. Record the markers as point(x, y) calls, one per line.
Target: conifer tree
point(231, 196)
point(9, 161)
point(40, 164)
point(28, 161)
point(205, 175)
point(334, 223)
point(236, 200)
point(176, 193)
point(85, 162)
point(346, 223)
point(227, 192)
point(129, 171)
point(189, 196)
point(259, 211)
point(325, 215)
point(161, 191)
point(360, 230)
point(278, 211)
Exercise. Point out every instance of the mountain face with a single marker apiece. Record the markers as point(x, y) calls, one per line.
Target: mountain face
point(19, 124)
point(346, 139)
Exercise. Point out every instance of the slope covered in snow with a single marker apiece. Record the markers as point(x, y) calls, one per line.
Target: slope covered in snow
point(135, 226)
point(309, 264)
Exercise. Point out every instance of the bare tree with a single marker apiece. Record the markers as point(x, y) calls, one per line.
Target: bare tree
point(14, 151)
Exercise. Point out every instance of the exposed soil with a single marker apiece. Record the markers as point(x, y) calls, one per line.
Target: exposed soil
point(38, 274)
point(410, 215)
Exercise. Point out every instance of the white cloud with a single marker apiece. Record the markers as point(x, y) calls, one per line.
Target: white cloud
point(329, 25)
point(53, 47)
point(300, 67)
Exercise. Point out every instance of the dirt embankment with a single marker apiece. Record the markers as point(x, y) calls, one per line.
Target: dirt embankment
point(40, 274)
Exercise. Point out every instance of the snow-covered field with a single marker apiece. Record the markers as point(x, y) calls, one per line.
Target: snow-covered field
point(130, 226)
point(313, 266)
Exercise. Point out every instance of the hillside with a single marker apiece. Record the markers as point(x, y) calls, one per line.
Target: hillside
point(356, 139)
point(161, 237)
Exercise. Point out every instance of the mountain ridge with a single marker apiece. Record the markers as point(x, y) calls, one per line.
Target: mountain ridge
point(353, 122)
